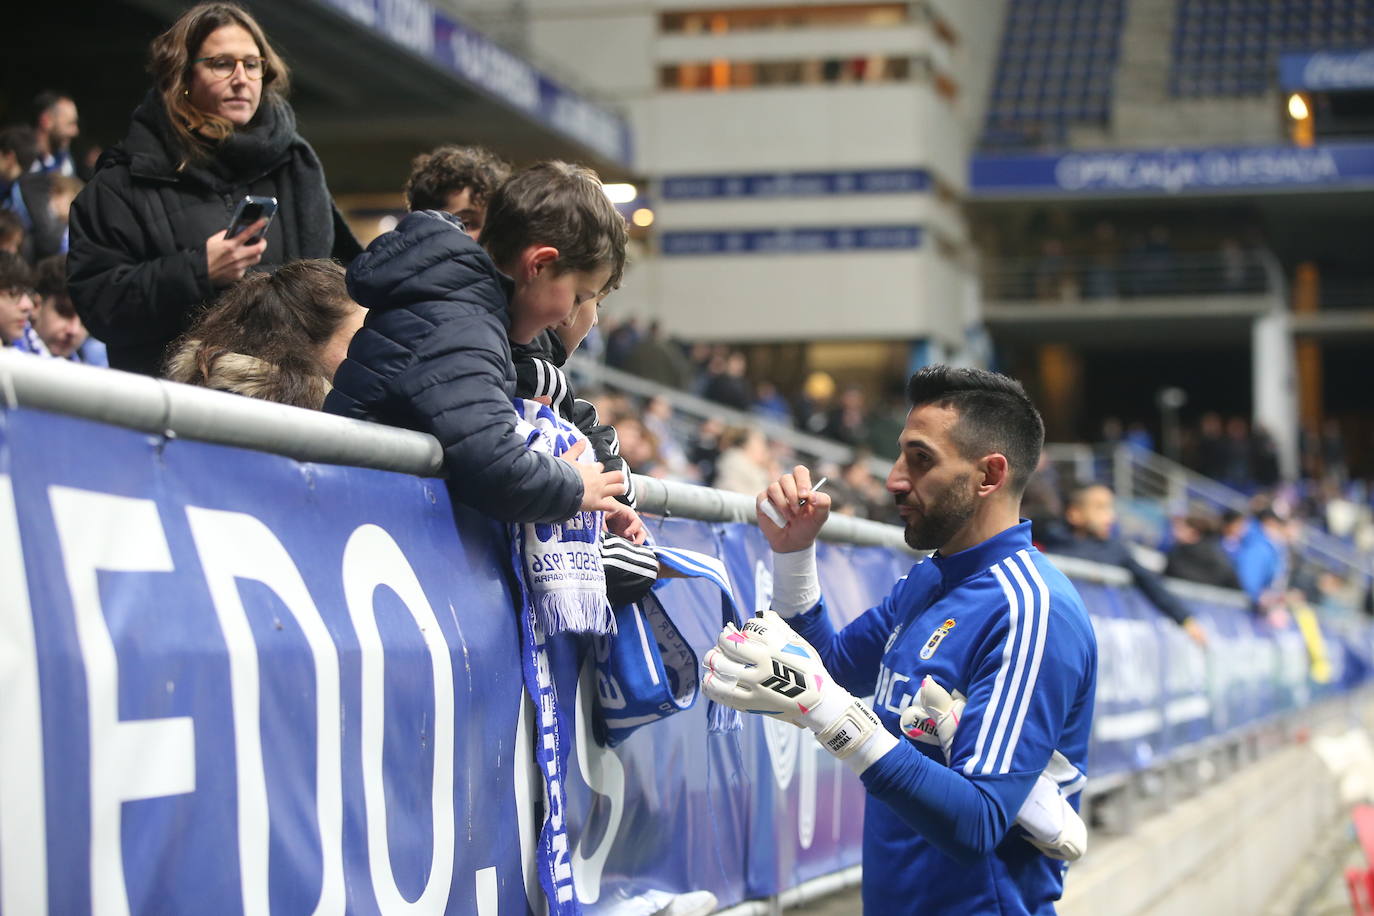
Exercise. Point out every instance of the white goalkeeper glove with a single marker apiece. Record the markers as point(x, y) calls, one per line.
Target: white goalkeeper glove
point(1052, 825)
point(766, 668)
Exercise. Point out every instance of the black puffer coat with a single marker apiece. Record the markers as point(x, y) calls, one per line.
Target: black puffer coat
point(137, 269)
point(433, 355)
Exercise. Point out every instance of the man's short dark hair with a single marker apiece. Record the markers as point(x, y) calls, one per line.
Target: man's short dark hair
point(561, 205)
point(995, 415)
point(22, 141)
point(15, 275)
point(439, 174)
point(45, 100)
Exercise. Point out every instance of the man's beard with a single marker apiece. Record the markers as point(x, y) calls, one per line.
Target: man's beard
point(943, 518)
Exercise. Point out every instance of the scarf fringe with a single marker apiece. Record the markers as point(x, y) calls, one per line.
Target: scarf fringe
point(584, 611)
point(721, 719)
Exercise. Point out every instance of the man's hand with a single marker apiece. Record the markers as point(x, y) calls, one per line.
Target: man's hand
point(803, 523)
point(768, 669)
point(1052, 825)
point(600, 487)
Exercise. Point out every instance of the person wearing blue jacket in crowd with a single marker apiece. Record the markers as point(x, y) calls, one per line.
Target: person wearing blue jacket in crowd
point(1258, 547)
point(1087, 533)
point(987, 622)
point(434, 353)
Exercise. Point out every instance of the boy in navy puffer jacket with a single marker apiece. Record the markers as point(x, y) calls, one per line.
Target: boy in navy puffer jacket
point(435, 351)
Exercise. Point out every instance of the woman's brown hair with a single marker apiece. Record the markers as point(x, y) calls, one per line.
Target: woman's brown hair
point(263, 336)
point(169, 62)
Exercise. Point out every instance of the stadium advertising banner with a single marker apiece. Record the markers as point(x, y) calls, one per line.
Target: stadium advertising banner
point(1118, 173)
point(436, 37)
point(1327, 71)
point(231, 682)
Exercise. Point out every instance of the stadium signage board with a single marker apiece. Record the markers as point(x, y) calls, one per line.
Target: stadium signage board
point(484, 64)
point(794, 184)
point(1327, 71)
point(806, 240)
point(1335, 166)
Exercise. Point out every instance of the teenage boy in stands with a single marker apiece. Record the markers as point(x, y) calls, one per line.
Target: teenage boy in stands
point(54, 319)
point(458, 180)
point(435, 351)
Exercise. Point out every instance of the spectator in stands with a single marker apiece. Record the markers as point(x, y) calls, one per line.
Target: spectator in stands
point(1041, 503)
point(434, 352)
point(63, 193)
point(1053, 279)
point(1211, 450)
point(621, 342)
point(1334, 464)
point(1264, 458)
point(1100, 280)
point(1088, 533)
point(11, 233)
point(658, 420)
point(658, 359)
point(27, 195)
point(727, 384)
point(1138, 436)
point(16, 297)
point(1197, 554)
point(55, 127)
point(704, 448)
point(813, 413)
point(744, 462)
point(54, 319)
point(278, 336)
point(148, 235)
point(770, 404)
point(1258, 547)
point(457, 180)
point(848, 422)
point(1237, 451)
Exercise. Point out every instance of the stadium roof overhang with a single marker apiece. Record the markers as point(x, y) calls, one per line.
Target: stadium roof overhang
point(372, 83)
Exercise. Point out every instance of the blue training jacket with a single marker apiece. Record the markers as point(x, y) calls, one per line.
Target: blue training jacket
point(1001, 625)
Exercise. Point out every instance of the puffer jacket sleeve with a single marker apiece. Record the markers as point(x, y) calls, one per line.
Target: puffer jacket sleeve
point(456, 387)
point(123, 295)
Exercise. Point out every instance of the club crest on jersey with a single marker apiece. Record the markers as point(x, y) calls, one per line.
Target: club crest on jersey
point(936, 638)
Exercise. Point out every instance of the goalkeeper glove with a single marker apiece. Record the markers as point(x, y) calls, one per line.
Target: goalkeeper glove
point(1051, 824)
point(766, 668)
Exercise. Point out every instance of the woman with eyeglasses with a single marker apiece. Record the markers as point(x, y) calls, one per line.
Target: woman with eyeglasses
point(148, 243)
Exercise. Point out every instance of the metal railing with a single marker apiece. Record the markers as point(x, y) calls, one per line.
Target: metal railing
point(1056, 278)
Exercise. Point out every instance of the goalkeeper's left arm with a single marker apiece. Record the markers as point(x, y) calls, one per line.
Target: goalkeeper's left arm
point(963, 811)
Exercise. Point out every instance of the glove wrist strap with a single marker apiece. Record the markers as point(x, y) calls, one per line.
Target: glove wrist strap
point(856, 736)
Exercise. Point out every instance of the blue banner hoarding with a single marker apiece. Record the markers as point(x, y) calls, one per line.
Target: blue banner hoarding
point(232, 682)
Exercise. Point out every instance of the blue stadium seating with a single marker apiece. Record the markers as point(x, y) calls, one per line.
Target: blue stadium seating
point(1231, 47)
point(1055, 69)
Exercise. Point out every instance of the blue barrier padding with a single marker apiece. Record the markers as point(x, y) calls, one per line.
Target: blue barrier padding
point(255, 684)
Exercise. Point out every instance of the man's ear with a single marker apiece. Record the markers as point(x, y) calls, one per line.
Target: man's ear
point(536, 258)
point(996, 474)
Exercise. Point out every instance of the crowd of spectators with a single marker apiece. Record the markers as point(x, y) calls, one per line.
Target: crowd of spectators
point(1107, 262)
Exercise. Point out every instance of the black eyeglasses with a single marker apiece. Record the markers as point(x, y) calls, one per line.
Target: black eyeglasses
point(224, 66)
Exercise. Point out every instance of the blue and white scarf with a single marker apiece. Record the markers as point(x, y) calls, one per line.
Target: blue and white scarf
point(562, 588)
point(562, 561)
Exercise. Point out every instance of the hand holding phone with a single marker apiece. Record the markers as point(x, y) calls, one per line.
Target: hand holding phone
point(229, 254)
point(251, 209)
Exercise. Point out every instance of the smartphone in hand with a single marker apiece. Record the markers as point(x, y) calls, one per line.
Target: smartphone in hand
point(249, 211)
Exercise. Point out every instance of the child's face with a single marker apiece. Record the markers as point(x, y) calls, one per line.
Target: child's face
point(15, 308)
point(579, 324)
point(545, 298)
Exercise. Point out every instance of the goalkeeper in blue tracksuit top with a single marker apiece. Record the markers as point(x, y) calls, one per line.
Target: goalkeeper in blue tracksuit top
point(982, 663)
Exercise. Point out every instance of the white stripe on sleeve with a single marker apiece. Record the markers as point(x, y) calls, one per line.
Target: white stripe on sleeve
point(1039, 600)
point(1007, 707)
point(1038, 653)
point(999, 684)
